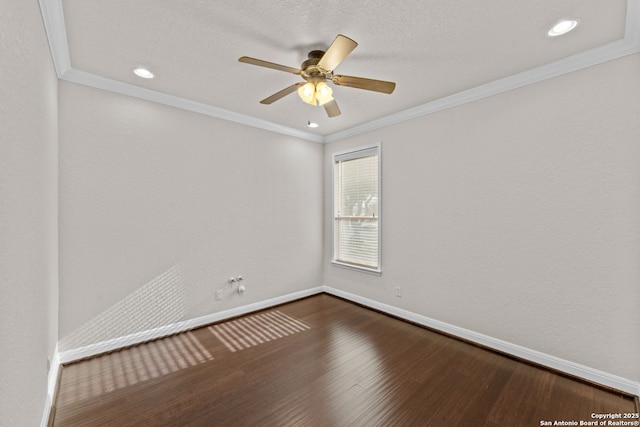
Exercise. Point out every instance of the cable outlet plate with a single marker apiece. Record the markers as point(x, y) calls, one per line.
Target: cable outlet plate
point(218, 295)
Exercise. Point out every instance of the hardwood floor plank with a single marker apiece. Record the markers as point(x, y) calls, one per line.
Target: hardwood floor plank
point(320, 361)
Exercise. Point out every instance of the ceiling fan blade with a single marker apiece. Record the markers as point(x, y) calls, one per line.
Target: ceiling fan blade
point(332, 109)
point(366, 84)
point(339, 49)
point(267, 64)
point(284, 92)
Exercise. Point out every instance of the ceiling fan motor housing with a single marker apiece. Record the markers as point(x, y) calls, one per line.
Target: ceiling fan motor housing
point(309, 68)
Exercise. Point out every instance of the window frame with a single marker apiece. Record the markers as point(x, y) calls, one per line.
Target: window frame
point(353, 151)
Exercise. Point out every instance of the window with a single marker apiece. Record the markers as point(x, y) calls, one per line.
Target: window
point(356, 204)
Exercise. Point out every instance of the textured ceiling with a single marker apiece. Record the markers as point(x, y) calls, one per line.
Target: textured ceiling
point(431, 49)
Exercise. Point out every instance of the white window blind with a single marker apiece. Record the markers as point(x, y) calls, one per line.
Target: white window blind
point(356, 205)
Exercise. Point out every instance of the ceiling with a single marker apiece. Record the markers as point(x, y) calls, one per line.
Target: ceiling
point(440, 53)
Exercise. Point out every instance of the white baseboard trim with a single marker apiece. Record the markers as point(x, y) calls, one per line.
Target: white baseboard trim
point(552, 362)
point(556, 363)
point(52, 381)
point(72, 355)
point(75, 354)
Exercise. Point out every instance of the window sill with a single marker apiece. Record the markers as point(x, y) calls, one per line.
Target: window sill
point(375, 272)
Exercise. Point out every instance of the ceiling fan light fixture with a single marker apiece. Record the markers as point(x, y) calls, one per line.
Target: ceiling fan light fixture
point(324, 93)
point(562, 27)
point(307, 93)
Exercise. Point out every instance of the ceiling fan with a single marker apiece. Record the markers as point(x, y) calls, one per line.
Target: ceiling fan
point(316, 70)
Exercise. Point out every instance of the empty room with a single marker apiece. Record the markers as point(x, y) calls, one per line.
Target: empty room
point(239, 213)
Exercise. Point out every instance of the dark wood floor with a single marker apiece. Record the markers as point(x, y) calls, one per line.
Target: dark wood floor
point(320, 361)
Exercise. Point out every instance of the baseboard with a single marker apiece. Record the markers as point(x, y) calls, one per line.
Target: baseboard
point(570, 368)
point(52, 382)
point(565, 366)
point(91, 350)
point(62, 357)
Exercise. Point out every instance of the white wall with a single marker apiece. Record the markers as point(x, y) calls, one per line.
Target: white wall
point(518, 217)
point(28, 212)
point(159, 207)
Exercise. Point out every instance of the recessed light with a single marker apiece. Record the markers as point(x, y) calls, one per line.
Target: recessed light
point(143, 72)
point(312, 124)
point(562, 27)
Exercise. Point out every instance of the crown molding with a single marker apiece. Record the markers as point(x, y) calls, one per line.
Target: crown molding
point(53, 17)
point(632, 25)
point(608, 52)
point(95, 81)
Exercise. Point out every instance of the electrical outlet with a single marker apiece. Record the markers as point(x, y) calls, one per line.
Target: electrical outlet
point(398, 291)
point(218, 295)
